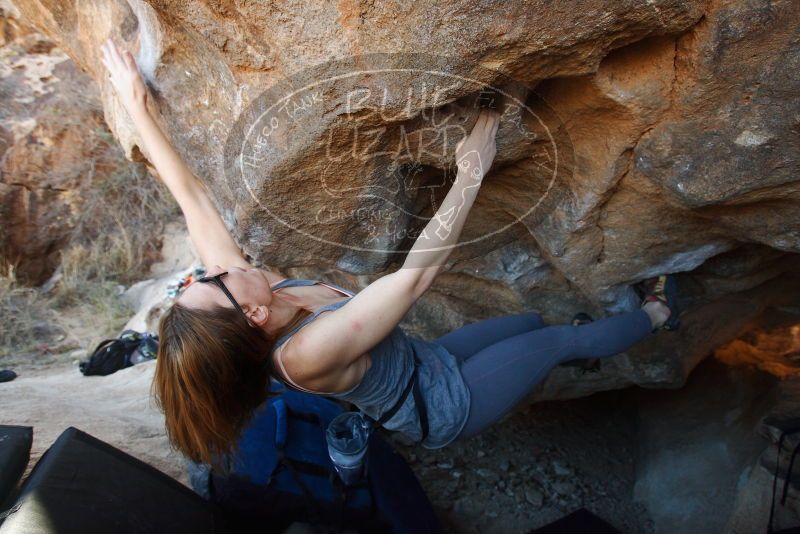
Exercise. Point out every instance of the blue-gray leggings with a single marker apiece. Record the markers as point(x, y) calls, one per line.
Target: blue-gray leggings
point(503, 359)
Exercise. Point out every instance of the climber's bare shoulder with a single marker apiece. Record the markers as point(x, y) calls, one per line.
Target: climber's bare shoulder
point(334, 344)
point(308, 373)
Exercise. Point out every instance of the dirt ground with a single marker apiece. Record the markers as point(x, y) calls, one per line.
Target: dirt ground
point(533, 467)
point(536, 466)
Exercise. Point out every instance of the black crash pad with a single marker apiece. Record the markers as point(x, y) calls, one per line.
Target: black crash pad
point(82, 484)
point(578, 521)
point(15, 451)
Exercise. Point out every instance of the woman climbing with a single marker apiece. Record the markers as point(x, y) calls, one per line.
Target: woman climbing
point(226, 335)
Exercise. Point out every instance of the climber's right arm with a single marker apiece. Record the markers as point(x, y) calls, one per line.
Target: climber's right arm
point(208, 232)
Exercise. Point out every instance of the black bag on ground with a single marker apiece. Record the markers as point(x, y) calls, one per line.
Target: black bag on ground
point(15, 451)
point(112, 355)
point(84, 485)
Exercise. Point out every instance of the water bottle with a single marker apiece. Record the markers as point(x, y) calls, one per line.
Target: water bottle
point(347, 436)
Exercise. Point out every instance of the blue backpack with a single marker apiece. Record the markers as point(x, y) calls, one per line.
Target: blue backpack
point(281, 473)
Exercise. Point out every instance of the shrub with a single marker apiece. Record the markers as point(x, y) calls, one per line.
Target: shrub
point(123, 211)
point(28, 318)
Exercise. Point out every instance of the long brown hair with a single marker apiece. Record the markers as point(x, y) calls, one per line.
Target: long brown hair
point(212, 373)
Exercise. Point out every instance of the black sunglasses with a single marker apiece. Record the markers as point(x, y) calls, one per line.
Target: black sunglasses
point(217, 281)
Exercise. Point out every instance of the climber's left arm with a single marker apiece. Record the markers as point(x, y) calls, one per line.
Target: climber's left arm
point(324, 351)
point(208, 232)
point(474, 156)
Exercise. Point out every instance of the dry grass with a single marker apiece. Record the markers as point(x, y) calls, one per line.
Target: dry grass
point(117, 235)
point(115, 239)
point(28, 319)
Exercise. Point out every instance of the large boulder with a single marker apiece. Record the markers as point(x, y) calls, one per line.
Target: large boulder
point(55, 152)
point(706, 453)
point(43, 147)
point(637, 138)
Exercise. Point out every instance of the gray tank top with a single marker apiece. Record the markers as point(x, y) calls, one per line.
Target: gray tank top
point(443, 388)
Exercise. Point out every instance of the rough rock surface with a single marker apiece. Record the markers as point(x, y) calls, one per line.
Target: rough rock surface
point(53, 146)
point(696, 445)
point(754, 498)
point(651, 137)
point(149, 297)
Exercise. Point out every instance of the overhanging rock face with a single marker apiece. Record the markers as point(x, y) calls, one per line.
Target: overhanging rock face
point(637, 138)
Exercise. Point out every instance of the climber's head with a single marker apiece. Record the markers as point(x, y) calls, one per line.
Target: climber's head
point(213, 364)
point(248, 292)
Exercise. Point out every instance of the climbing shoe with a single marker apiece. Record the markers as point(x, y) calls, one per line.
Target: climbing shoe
point(586, 365)
point(663, 288)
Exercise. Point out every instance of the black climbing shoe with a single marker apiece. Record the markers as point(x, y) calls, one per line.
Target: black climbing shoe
point(663, 288)
point(586, 365)
point(7, 375)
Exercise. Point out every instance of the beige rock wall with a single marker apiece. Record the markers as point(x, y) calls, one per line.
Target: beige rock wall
point(54, 147)
point(659, 136)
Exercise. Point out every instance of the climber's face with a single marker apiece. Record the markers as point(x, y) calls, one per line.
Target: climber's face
point(249, 287)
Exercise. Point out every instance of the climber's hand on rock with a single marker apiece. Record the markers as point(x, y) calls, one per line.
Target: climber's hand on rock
point(124, 76)
point(475, 153)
